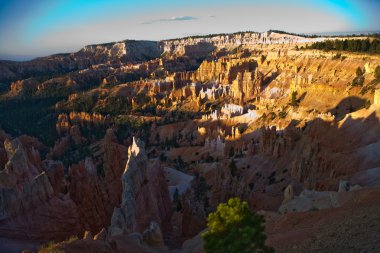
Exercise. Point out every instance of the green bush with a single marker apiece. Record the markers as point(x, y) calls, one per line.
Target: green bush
point(242, 128)
point(233, 228)
point(32, 116)
point(83, 103)
point(294, 101)
point(377, 73)
point(359, 79)
point(282, 114)
point(263, 58)
point(359, 72)
point(337, 56)
point(114, 106)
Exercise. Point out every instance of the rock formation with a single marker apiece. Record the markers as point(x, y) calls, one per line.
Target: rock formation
point(376, 99)
point(27, 194)
point(183, 46)
point(97, 188)
point(144, 188)
point(246, 115)
point(288, 194)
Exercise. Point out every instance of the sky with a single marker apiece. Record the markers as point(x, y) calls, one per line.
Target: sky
point(33, 28)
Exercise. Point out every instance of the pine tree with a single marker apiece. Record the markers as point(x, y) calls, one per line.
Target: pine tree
point(294, 101)
point(377, 73)
point(233, 228)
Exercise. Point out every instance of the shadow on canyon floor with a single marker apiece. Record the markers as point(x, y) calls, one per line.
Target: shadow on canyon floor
point(346, 106)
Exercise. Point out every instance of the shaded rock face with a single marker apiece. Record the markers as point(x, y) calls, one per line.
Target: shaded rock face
point(307, 159)
point(145, 194)
point(24, 86)
point(329, 230)
point(82, 200)
point(22, 186)
point(27, 195)
point(125, 51)
point(153, 235)
point(319, 155)
point(95, 193)
point(276, 144)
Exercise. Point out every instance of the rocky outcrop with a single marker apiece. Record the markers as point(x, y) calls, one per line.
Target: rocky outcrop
point(101, 236)
point(200, 44)
point(276, 143)
point(224, 70)
point(247, 84)
point(19, 169)
point(95, 182)
point(151, 241)
point(288, 194)
point(83, 200)
point(145, 193)
point(124, 52)
point(66, 122)
point(332, 229)
point(230, 121)
point(376, 98)
point(87, 236)
point(23, 87)
point(27, 195)
point(153, 235)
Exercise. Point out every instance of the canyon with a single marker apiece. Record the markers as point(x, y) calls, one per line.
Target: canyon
point(128, 146)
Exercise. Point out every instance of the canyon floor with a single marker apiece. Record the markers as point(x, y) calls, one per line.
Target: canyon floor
point(128, 146)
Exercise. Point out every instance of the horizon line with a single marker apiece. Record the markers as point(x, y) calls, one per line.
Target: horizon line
point(26, 58)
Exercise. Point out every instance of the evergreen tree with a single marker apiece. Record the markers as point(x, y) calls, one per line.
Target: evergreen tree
point(233, 228)
point(351, 45)
point(294, 102)
point(359, 72)
point(377, 73)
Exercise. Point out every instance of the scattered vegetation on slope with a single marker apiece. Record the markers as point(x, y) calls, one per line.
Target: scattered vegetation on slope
point(31, 116)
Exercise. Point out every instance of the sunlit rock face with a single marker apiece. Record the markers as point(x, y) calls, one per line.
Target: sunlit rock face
point(376, 99)
point(145, 194)
point(123, 51)
point(186, 46)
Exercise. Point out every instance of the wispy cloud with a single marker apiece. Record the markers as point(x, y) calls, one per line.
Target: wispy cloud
point(175, 18)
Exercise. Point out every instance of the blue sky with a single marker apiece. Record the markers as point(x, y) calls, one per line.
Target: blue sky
point(31, 28)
